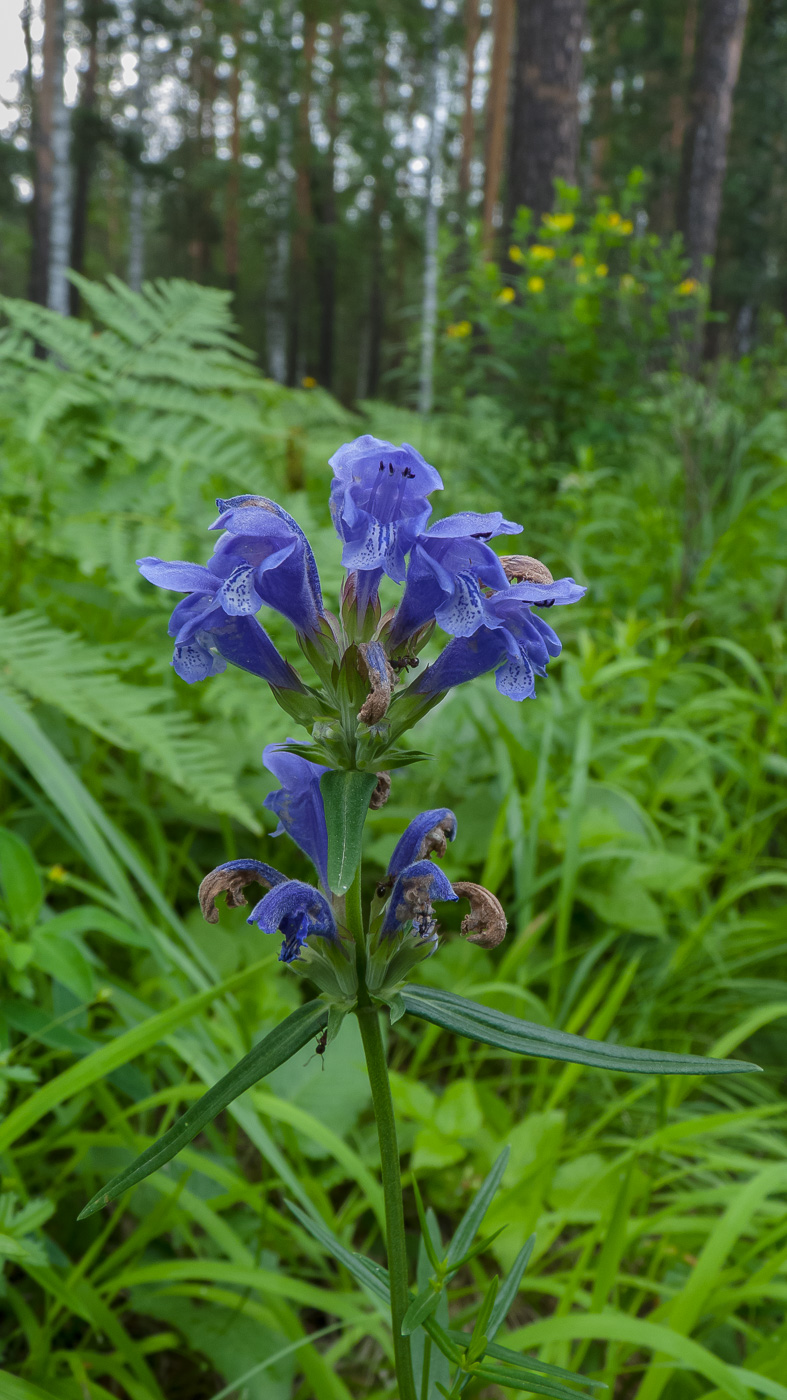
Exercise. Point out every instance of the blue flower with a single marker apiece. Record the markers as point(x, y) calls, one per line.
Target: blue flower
point(447, 567)
point(265, 557)
point(297, 910)
point(512, 640)
point(412, 897)
point(298, 804)
point(379, 505)
point(426, 833)
point(206, 636)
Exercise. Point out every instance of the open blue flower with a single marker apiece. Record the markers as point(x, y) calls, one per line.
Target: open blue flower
point(412, 899)
point(298, 804)
point(379, 505)
point(206, 635)
point(297, 910)
point(448, 565)
point(512, 640)
point(265, 557)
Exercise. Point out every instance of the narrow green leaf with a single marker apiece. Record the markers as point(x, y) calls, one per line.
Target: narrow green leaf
point(426, 1236)
point(420, 1308)
point(277, 1047)
point(469, 1224)
point(529, 1363)
point(346, 797)
point(509, 1290)
point(524, 1380)
point(477, 1022)
point(372, 1276)
point(21, 883)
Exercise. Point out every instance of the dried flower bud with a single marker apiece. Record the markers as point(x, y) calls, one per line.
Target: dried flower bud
point(486, 923)
point(376, 669)
point(232, 878)
point(381, 793)
point(521, 568)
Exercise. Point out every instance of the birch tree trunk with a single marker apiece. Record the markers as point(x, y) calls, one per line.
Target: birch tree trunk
point(544, 140)
point(716, 67)
point(472, 33)
point(431, 231)
point(496, 115)
point(42, 140)
point(60, 208)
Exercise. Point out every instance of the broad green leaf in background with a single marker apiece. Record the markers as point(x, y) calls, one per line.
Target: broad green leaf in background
point(22, 889)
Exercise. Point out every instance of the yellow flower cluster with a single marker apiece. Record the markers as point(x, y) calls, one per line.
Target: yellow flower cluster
point(506, 296)
point(541, 252)
point(688, 287)
point(558, 223)
point(459, 330)
point(515, 254)
point(615, 221)
point(578, 260)
point(309, 382)
point(602, 270)
point(535, 284)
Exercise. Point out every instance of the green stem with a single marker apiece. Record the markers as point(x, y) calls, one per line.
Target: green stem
point(369, 1021)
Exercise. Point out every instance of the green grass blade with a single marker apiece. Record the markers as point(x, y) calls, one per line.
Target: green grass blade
point(470, 1223)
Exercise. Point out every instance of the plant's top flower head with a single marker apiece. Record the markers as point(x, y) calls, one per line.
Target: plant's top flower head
point(361, 703)
point(379, 503)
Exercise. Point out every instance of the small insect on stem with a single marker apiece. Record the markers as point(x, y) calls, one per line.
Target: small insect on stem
point(320, 1049)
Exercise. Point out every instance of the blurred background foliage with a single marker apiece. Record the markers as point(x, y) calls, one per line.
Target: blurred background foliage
point(597, 382)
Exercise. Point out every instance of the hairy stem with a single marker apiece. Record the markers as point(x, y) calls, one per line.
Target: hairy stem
point(369, 1021)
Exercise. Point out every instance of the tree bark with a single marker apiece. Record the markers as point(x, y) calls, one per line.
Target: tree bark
point(231, 212)
point(42, 138)
point(86, 143)
point(544, 141)
point(326, 284)
point(299, 262)
point(431, 232)
point(472, 33)
point(496, 114)
point(60, 205)
point(716, 68)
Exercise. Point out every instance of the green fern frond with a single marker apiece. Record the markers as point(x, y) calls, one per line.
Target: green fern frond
point(60, 669)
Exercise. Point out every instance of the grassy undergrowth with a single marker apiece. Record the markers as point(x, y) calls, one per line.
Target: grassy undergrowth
point(631, 820)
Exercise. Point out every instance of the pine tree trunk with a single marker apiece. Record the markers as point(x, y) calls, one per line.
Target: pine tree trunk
point(86, 142)
point(544, 139)
point(716, 68)
point(431, 232)
point(472, 33)
point(327, 247)
point(42, 139)
point(497, 115)
point(231, 212)
point(299, 262)
point(60, 206)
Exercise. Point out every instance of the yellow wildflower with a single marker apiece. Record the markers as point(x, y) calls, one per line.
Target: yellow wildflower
point(541, 252)
point(602, 270)
point(613, 219)
point(58, 873)
point(626, 227)
point(559, 223)
point(515, 254)
point(535, 284)
point(688, 287)
point(507, 295)
point(578, 260)
point(309, 382)
point(459, 330)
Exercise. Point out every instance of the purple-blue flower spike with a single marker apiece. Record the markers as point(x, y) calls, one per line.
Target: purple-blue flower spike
point(201, 627)
point(513, 641)
point(266, 558)
point(412, 897)
point(297, 910)
point(447, 565)
point(426, 834)
point(379, 505)
point(298, 804)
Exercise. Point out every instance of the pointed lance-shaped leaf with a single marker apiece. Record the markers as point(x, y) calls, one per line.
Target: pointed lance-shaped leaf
point(277, 1047)
point(346, 797)
point(477, 1022)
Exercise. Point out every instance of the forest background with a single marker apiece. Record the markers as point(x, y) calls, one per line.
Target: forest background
point(544, 242)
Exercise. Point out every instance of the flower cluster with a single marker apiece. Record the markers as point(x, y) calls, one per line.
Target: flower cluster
point(360, 700)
